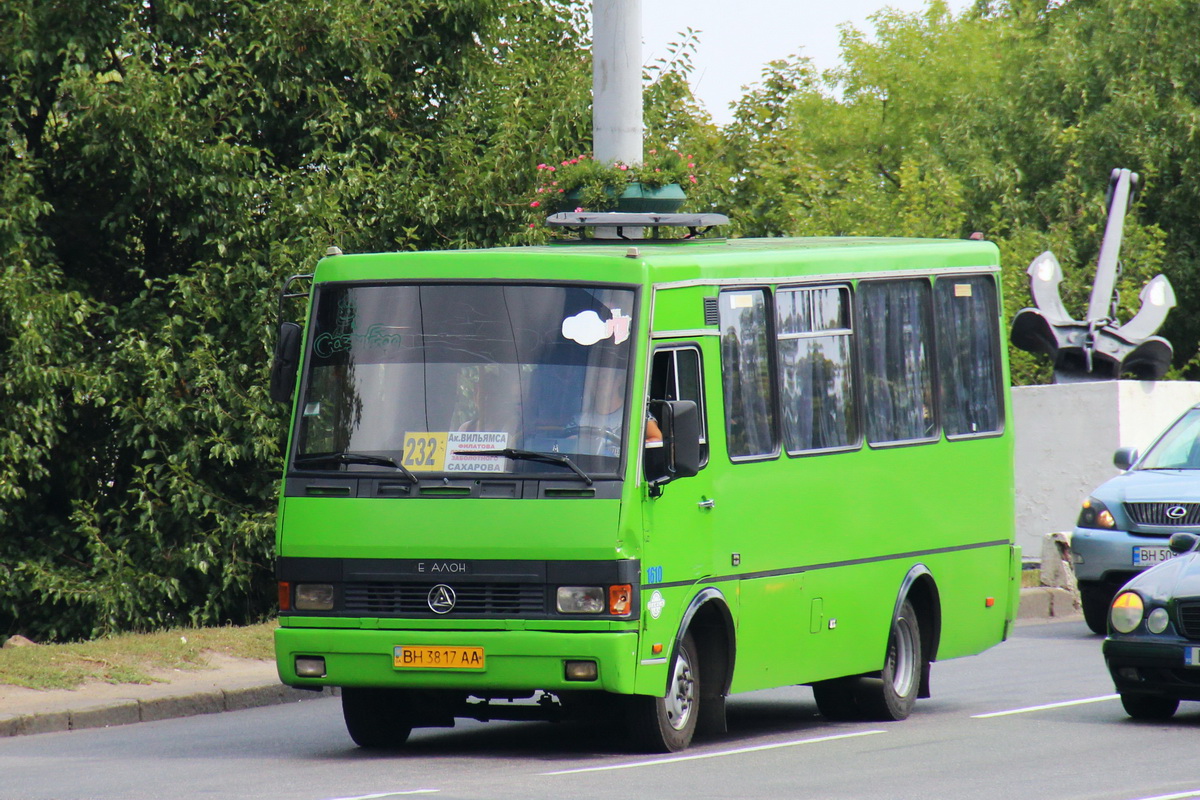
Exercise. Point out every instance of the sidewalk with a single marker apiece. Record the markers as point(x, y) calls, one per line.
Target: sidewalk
point(233, 684)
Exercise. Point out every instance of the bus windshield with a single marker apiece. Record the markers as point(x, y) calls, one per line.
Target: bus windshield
point(422, 375)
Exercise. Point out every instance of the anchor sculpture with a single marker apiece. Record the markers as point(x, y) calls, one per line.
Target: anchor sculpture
point(1098, 347)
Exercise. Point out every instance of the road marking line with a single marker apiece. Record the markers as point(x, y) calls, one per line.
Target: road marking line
point(1048, 705)
point(1180, 796)
point(388, 794)
point(719, 754)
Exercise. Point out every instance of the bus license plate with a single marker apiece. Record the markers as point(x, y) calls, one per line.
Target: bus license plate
point(1149, 556)
point(407, 656)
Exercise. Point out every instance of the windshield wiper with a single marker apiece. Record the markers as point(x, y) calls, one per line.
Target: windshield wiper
point(356, 458)
point(529, 455)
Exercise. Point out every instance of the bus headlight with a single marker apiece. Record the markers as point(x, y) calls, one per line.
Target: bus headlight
point(581, 600)
point(314, 597)
point(1126, 613)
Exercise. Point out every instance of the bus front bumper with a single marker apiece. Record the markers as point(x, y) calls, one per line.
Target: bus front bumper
point(511, 660)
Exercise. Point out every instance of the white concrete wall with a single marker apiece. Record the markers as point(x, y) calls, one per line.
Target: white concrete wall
point(1065, 435)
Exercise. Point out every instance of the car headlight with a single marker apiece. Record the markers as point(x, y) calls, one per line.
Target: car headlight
point(1095, 515)
point(1156, 620)
point(1126, 613)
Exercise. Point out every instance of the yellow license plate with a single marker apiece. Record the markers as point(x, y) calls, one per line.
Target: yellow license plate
point(421, 656)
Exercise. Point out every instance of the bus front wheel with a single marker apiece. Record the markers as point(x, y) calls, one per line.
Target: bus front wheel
point(667, 724)
point(891, 696)
point(377, 718)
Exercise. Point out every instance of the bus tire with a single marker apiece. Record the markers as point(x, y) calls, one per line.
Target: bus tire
point(667, 724)
point(837, 699)
point(891, 696)
point(377, 718)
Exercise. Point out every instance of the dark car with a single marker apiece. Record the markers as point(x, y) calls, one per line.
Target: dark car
point(1153, 644)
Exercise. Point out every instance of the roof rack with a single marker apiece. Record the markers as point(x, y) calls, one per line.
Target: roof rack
point(579, 221)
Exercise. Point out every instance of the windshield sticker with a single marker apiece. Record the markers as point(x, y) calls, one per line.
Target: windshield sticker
point(587, 328)
point(312, 409)
point(439, 451)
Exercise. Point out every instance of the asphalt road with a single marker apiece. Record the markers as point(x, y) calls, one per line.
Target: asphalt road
point(1032, 718)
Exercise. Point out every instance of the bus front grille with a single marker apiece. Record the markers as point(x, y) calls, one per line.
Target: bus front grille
point(470, 599)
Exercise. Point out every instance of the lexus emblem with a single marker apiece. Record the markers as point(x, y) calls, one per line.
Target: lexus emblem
point(441, 599)
point(1176, 512)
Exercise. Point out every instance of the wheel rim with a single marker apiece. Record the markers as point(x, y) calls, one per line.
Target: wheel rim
point(681, 698)
point(902, 658)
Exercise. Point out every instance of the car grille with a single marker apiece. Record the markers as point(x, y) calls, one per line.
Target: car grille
point(473, 599)
point(1156, 514)
point(1188, 614)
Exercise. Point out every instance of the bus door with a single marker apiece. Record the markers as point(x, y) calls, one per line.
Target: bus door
point(678, 516)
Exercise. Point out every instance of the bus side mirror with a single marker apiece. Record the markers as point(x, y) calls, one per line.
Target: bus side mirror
point(287, 360)
point(678, 456)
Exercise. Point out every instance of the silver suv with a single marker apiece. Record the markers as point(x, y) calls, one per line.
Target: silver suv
point(1124, 526)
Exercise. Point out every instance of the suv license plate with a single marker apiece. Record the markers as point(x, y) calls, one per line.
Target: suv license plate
point(1149, 556)
point(408, 656)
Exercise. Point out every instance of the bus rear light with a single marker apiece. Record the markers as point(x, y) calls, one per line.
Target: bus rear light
point(314, 597)
point(285, 596)
point(580, 600)
point(310, 667)
point(618, 599)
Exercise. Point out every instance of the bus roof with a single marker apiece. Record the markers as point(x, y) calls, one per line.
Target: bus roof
point(638, 261)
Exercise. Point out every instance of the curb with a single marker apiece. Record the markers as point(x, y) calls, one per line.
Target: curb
point(110, 713)
point(1048, 602)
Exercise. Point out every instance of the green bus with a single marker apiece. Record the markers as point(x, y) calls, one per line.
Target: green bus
point(640, 475)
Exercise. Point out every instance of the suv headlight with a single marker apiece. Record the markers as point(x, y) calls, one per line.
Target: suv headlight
point(1094, 514)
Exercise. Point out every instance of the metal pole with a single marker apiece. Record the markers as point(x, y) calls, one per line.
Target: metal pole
point(617, 80)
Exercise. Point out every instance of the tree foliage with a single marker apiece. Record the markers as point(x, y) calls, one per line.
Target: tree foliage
point(166, 165)
point(162, 169)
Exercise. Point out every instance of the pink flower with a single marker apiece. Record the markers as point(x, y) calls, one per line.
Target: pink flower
point(531, 224)
point(542, 166)
point(691, 165)
point(534, 204)
point(554, 183)
point(692, 178)
point(622, 167)
point(653, 152)
point(578, 209)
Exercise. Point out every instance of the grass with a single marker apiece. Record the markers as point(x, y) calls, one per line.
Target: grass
point(130, 657)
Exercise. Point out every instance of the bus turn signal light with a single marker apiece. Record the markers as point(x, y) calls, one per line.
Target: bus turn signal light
point(285, 596)
point(618, 599)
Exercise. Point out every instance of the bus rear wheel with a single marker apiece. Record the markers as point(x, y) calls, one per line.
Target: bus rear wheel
point(891, 696)
point(667, 724)
point(377, 718)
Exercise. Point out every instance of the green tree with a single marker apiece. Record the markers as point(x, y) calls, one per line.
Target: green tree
point(163, 168)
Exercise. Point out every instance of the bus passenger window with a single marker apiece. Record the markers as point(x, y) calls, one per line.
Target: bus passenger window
point(746, 374)
point(894, 323)
point(968, 341)
point(816, 369)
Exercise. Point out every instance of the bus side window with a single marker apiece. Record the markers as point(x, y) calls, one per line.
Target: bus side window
point(746, 368)
point(676, 376)
point(968, 341)
point(816, 369)
point(896, 336)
